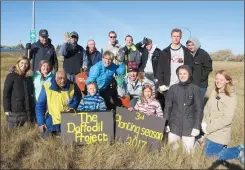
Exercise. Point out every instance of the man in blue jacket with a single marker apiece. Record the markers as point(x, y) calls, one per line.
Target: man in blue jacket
point(73, 56)
point(42, 50)
point(103, 74)
point(58, 96)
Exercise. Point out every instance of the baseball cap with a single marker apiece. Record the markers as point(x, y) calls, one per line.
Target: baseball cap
point(73, 33)
point(132, 66)
point(43, 33)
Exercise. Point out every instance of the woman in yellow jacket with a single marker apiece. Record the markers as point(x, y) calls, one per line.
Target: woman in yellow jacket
point(218, 115)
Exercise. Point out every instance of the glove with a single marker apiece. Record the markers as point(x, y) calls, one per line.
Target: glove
point(28, 46)
point(7, 113)
point(195, 132)
point(145, 40)
point(119, 80)
point(167, 129)
point(163, 88)
point(204, 127)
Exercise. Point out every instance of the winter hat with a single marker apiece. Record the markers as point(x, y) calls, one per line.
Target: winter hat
point(132, 66)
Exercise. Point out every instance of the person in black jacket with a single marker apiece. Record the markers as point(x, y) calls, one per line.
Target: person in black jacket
point(150, 57)
point(73, 56)
point(170, 59)
point(18, 100)
point(183, 110)
point(202, 64)
point(42, 50)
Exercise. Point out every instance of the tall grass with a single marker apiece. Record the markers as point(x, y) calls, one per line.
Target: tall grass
point(23, 149)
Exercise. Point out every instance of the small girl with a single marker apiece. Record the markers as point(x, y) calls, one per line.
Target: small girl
point(92, 101)
point(147, 103)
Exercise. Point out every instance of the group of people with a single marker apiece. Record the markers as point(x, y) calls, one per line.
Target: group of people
point(169, 83)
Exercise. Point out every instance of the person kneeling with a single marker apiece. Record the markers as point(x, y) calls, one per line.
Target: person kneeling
point(57, 96)
point(92, 101)
point(147, 103)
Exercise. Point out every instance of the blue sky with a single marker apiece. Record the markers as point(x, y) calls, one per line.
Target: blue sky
point(218, 25)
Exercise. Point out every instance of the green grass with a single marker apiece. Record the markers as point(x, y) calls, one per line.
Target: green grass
point(23, 149)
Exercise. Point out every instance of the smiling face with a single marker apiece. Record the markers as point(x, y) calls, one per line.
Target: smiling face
point(61, 79)
point(128, 41)
point(112, 38)
point(23, 65)
point(220, 81)
point(91, 89)
point(43, 39)
point(183, 75)
point(132, 75)
point(45, 68)
point(147, 93)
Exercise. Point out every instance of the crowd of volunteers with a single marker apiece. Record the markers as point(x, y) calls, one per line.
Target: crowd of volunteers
point(169, 83)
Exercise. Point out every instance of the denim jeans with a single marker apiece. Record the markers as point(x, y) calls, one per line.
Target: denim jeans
point(220, 151)
point(203, 90)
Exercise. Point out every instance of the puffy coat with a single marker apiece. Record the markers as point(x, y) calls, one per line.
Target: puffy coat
point(149, 107)
point(103, 75)
point(133, 88)
point(18, 95)
point(38, 82)
point(92, 103)
point(218, 114)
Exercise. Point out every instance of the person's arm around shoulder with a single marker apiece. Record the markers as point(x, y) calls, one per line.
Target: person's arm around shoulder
point(229, 105)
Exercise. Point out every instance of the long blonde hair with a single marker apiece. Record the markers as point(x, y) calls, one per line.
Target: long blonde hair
point(17, 68)
point(229, 86)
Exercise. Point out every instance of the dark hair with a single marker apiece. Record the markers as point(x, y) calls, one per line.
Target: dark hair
point(130, 37)
point(112, 32)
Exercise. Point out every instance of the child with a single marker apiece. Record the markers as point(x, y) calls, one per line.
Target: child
point(147, 103)
point(92, 101)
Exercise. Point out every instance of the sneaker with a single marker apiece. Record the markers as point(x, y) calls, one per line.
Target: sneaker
point(241, 154)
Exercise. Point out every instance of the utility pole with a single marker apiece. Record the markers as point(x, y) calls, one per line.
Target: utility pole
point(33, 14)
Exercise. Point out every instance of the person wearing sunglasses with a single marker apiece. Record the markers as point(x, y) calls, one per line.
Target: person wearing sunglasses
point(73, 56)
point(113, 44)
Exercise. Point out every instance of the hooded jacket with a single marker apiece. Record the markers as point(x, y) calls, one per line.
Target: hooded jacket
point(155, 57)
point(218, 114)
point(40, 52)
point(184, 107)
point(202, 64)
point(92, 103)
point(130, 54)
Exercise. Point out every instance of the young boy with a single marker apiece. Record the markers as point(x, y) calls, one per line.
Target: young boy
point(92, 101)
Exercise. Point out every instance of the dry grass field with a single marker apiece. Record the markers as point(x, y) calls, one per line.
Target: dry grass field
point(23, 149)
